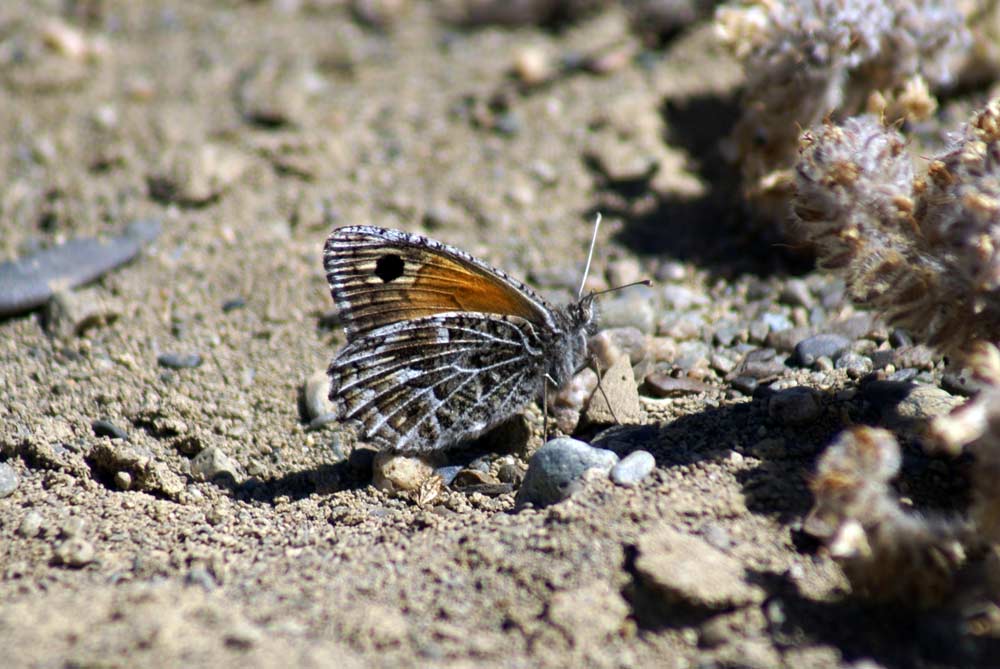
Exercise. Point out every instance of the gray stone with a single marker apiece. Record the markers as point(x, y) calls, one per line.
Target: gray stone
point(758, 331)
point(633, 468)
point(316, 396)
point(75, 552)
point(726, 335)
point(830, 345)
point(664, 385)
point(686, 568)
point(73, 312)
point(776, 322)
point(920, 403)
point(179, 360)
point(682, 298)
point(213, 463)
point(786, 339)
point(631, 307)
point(610, 344)
point(556, 469)
point(794, 406)
point(197, 174)
point(30, 525)
point(394, 472)
point(855, 365)
point(692, 355)
point(276, 91)
point(9, 479)
point(796, 293)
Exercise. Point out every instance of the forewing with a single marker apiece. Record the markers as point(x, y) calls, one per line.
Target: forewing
point(379, 277)
point(430, 382)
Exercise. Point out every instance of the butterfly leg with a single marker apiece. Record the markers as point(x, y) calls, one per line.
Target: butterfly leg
point(546, 380)
point(600, 386)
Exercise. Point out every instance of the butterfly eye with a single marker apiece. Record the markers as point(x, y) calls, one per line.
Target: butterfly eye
point(389, 267)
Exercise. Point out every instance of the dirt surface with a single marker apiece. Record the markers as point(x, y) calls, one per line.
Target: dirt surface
point(249, 130)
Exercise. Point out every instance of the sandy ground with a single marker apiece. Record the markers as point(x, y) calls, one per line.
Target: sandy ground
point(249, 129)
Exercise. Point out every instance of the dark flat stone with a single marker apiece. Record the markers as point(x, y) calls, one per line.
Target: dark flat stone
point(28, 283)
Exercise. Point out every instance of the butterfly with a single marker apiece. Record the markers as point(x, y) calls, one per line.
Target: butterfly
point(441, 346)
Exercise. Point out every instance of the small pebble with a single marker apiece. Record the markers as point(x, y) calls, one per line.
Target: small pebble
point(392, 471)
point(508, 123)
point(105, 428)
point(785, 340)
point(275, 91)
point(213, 463)
point(611, 344)
point(75, 552)
point(663, 385)
point(661, 349)
point(745, 384)
point(556, 469)
point(902, 375)
point(196, 174)
point(201, 576)
point(30, 525)
point(761, 364)
point(123, 480)
point(796, 293)
point(717, 536)
point(758, 331)
point(9, 479)
point(855, 365)
point(233, 304)
point(448, 473)
point(692, 355)
point(379, 14)
point(633, 468)
point(72, 312)
point(810, 349)
point(682, 298)
point(776, 322)
point(727, 335)
point(622, 271)
point(882, 359)
point(509, 472)
point(179, 360)
point(794, 406)
point(316, 395)
point(632, 307)
point(533, 66)
point(471, 478)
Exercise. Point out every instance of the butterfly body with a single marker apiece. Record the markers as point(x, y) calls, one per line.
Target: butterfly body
point(440, 346)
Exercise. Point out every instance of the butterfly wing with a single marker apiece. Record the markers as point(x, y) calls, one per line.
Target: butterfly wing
point(379, 276)
point(429, 382)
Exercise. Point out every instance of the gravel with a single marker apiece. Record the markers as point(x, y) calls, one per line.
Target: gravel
point(633, 468)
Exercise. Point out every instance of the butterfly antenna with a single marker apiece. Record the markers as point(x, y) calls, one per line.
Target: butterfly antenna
point(590, 256)
point(642, 282)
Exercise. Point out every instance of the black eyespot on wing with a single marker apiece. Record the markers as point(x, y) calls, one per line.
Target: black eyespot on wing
point(389, 267)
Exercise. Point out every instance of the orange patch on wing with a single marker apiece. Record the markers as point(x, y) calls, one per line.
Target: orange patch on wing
point(446, 285)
